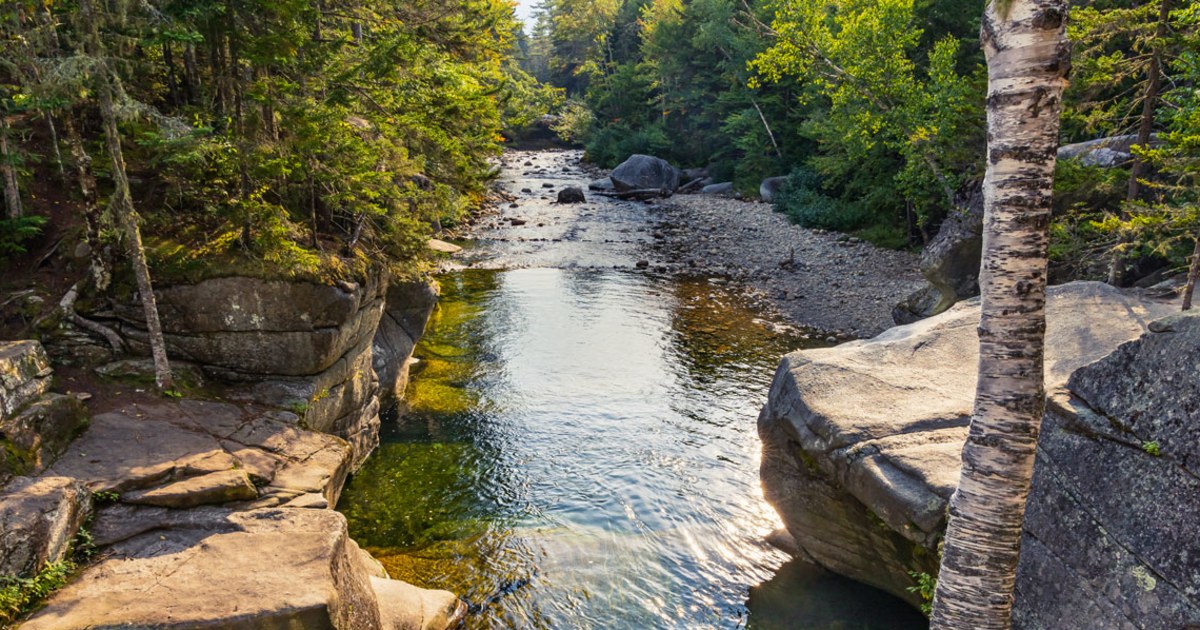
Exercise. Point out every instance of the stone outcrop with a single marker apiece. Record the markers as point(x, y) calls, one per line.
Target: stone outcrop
point(409, 305)
point(35, 425)
point(316, 350)
point(39, 518)
point(270, 568)
point(862, 443)
point(24, 375)
point(644, 172)
point(192, 452)
point(215, 514)
point(950, 262)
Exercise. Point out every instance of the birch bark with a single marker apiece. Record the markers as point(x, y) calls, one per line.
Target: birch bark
point(1028, 59)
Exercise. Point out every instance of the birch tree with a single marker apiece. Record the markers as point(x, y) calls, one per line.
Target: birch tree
point(122, 201)
point(1028, 59)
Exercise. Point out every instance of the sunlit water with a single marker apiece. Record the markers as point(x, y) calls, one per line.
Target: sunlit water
point(580, 452)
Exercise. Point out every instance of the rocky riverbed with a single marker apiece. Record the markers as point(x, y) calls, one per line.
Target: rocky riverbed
point(831, 282)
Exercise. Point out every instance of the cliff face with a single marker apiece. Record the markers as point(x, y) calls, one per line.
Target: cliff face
point(328, 353)
point(861, 447)
point(215, 513)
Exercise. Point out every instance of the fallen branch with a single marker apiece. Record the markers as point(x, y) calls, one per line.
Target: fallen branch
point(639, 194)
point(66, 306)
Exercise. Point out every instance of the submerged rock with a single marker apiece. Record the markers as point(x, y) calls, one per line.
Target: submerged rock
point(862, 445)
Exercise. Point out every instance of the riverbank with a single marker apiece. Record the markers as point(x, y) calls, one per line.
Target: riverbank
point(818, 279)
point(837, 284)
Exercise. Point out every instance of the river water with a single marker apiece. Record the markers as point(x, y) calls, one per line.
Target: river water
point(579, 451)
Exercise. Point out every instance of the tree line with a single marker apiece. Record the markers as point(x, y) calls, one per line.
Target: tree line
point(284, 137)
point(876, 111)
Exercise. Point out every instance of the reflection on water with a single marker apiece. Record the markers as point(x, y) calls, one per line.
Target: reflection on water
point(580, 452)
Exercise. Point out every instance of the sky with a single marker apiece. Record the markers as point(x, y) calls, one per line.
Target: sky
point(525, 12)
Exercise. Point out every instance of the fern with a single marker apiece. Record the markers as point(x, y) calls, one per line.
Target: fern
point(15, 233)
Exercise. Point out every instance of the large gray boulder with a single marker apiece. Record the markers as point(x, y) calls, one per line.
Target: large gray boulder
point(255, 327)
point(950, 262)
point(862, 444)
point(722, 188)
point(645, 172)
point(269, 568)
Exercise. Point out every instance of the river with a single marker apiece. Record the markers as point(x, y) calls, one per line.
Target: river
point(579, 449)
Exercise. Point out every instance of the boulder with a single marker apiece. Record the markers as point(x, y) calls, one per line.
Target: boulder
point(571, 195)
point(1109, 529)
point(644, 172)
point(39, 519)
point(602, 185)
point(862, 442)
point(442, 246)
point(269, 568)
point(409, 305)
point(769, 189)
point(723, 188)
point(255, 327)
point(950, 262)
point(1108, 152)
point(36, 436)
point(24, 375)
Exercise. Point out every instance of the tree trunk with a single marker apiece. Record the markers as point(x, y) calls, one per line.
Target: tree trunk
point(1193, 275)
point(8, 170)
point(122, 206)
point(101, 267)
point(127, 218)
point(1028, 58)
point(1116, 270)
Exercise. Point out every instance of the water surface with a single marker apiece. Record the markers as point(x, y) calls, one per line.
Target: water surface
point(580, 452)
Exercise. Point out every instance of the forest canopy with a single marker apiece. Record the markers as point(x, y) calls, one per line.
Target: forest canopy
point(293, 133)
point(875, 110)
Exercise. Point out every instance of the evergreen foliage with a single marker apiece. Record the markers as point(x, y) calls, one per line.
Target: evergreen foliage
point(287, 132)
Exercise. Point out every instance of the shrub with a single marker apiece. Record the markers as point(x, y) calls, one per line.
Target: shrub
point(805, 203)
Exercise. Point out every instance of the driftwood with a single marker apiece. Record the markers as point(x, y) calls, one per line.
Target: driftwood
point(639, 194)
point(694, 185)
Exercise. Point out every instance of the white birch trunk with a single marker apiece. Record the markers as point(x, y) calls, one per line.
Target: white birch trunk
point(12, 193)
point(1028, 58)
point(122, 206)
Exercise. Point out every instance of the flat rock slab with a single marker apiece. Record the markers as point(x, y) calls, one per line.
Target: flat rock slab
point(38, 520)
point(190, 452)
point(862, 442)
point(212, 568)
